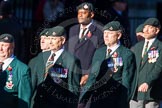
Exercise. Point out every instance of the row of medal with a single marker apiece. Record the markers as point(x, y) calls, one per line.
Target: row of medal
point(152, 56)
point(58, 72)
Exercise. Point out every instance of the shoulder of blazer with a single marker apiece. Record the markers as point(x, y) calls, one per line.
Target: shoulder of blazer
point(125, 51)
point(67, 55)
point(75, 27)
point(95, 27)
point(19, 64)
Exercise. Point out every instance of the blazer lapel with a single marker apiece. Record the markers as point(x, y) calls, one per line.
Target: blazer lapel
point(139, 53)
point(91, 29)
point(13, 63)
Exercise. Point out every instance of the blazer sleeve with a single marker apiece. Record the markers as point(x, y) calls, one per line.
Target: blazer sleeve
point(76, 76)
point(24, 89)
point(128, 73)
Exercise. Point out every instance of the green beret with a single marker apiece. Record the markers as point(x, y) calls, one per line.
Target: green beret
point(113, 26)
point(8, 38)
point(153, 22)
point(140, 28)
point(86, 6)
point(43, 32)
point(56, 31)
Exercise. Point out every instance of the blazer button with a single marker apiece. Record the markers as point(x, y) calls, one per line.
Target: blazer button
point(110, 75)
point(41, 96)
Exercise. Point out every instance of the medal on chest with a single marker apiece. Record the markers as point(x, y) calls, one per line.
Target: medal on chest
point(115, 62)
point(153, 54)
point(9, 83)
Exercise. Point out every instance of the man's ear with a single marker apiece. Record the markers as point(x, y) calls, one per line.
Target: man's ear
point(157, 30)
point(92, 14)
point(63, 40)
point(119, 35)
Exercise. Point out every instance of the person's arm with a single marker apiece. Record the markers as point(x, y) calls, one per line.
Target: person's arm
point(24, 89)
point(128, 72)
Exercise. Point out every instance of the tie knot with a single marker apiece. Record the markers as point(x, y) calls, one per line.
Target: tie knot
point(1, 63)
point(52, 57)
point(109, 50)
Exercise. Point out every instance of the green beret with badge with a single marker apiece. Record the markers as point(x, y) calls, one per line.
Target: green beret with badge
point(57, 31)
point(153, 22)
point(140, 28)
point(86, 6)
point(8, 38)
point(113, 26)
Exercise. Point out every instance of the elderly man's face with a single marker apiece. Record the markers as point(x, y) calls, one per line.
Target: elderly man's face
point(85, 16)
point(44, 44)
point(6, 50)
point(56, 43)
point(150, 31)
point(111, 37)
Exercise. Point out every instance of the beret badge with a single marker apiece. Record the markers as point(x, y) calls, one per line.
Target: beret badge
point(85, 6)
point(111, 28)
point(54, 33)
point(6, 38)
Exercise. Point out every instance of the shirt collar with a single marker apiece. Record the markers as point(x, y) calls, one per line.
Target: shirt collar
point(57, 54)
point(7, 62)
point(150, 40)
point(113, 48)
point(81, 26)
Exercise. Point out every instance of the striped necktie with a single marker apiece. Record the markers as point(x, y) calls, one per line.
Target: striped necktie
point(49, 64)
point(145, 49)
point(82, 35)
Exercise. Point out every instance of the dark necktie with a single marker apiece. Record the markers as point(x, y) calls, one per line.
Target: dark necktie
point(82, 35)
point(108, 53)
point(145, 49)
point(1, 64)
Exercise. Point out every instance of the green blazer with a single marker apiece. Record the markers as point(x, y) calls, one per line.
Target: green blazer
point(37, 66)
point(149, 73)
point(20, 93)
point(67, 61)
point(124, 75)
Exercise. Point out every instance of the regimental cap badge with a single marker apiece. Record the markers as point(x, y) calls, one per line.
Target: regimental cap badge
point(46, 32)
point(85, 6)
point(111, 28)
point(6, 38)
point(54, 33)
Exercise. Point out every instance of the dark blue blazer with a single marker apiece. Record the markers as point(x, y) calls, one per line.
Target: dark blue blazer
point(85, 49)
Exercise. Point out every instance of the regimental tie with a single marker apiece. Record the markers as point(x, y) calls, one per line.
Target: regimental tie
point(108, 53)
point(82, 35)
point(49, 64)
point(1, 65)
point(145, 49)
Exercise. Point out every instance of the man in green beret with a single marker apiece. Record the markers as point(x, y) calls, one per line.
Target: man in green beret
point(44, 45)
point(139, 32)
point(112, 72)
point(59, 72)
point(147, 91)
point(15, 86)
